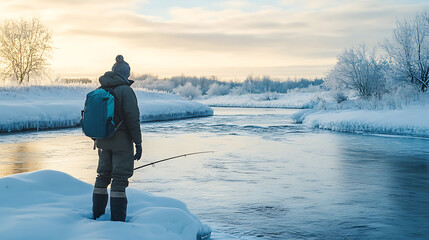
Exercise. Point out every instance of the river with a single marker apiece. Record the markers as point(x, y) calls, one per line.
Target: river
point(269, 178)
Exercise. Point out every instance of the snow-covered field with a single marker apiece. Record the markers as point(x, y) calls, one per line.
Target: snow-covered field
point(268, 100)
point(43, 107)
point(53, 205)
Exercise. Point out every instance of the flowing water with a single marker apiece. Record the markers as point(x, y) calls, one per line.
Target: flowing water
point(268, 178)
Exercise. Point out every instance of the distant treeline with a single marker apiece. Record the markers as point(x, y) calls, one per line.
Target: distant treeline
point(192, 87)
point(75, 80)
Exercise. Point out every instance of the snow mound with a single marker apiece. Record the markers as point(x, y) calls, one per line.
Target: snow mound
point(53, 205)
point(48, 107)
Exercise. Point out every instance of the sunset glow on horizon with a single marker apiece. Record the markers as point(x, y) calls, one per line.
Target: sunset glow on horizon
point(228, 39)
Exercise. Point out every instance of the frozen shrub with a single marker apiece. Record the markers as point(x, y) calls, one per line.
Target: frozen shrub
point(239, 90)
point(153, 83)
point(218, 90)
point(268, 96)
point(402, 95)
point(340, 97)
point(320, 104)
point(188, 91)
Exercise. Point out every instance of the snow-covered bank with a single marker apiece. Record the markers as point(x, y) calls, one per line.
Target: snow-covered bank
point(294, 99)
point(410, 121)
point(397, 114)
point(45, 107)
point(53, 205)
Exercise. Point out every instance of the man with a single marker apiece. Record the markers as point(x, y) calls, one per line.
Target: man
point(116, 157)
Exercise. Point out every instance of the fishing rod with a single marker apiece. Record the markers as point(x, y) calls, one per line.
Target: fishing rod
point(166, 159)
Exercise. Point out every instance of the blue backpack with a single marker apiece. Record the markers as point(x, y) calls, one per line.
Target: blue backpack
point(101, 114)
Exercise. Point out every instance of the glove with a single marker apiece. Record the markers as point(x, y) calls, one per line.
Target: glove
point(139, 151)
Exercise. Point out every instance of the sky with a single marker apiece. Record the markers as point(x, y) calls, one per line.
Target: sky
point(229, 39)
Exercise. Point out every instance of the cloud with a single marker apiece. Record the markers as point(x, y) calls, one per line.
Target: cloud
point(290, 32)
point(235, 4)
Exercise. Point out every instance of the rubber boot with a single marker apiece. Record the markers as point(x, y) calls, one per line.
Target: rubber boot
point(99, 203)
point(118, 208)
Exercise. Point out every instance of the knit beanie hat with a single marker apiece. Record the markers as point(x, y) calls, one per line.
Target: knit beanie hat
point(121, 67)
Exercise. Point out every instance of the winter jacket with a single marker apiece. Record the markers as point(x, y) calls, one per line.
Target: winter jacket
point(130, 128)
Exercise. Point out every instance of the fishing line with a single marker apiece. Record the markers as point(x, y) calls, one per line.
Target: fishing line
point(170, 158)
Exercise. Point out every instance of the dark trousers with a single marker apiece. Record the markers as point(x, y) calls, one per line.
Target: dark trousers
point(114, 167)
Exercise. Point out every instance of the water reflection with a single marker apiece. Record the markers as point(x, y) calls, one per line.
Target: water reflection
point(70, 154)
point(389, 179)
point(18, 158)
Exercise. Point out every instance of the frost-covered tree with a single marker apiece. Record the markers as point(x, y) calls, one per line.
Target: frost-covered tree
point(25, 46)
point(188, 91)
point(358, 69)
point(408, 51)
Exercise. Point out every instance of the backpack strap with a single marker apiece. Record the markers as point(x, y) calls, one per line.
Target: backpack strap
point(118, 117)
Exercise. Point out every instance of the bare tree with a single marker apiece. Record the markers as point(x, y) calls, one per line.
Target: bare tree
point(408, 51)
point(25, 47)
point(358, 69)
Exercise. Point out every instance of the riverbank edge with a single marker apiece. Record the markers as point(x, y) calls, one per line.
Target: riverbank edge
point(22, 126)
point(400, 122)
